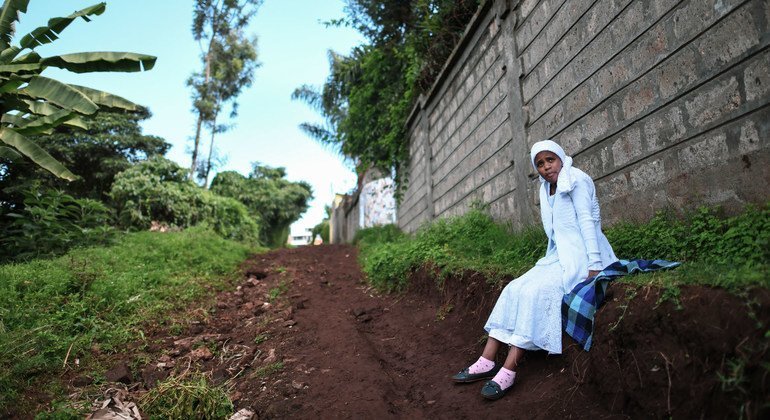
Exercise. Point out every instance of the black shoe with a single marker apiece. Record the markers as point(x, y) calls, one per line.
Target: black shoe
point(492, 391)
point(465, 377)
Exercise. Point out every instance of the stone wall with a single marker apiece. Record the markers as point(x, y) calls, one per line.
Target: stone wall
point(664, 103)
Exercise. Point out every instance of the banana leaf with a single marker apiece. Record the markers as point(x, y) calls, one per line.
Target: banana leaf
point(9, 15)
point(17, 68)
point(37, 125)
point(28, 148)
point(106, 99)
point(49, 33)
point(59, 94)
point(8, 153)
point(86, 62)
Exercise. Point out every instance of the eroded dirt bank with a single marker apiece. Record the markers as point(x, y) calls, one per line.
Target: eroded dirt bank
point(302, 336)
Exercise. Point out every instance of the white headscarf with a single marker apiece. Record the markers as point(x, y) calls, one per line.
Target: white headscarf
point(566, 181)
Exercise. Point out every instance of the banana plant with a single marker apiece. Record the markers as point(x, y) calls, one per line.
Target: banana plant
point(32, 104)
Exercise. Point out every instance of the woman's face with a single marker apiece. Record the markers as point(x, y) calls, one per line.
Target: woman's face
point(548, 165)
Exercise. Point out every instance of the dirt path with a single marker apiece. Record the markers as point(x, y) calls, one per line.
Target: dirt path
point(350, 353)
point(302, 336)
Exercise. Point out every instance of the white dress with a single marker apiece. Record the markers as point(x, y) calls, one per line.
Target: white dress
point(528, 312)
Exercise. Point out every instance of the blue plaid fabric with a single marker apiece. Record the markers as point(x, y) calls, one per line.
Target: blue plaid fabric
point(579, 306)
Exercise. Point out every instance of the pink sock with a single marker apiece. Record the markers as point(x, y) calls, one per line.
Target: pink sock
point(482, 365)
point(504, 378)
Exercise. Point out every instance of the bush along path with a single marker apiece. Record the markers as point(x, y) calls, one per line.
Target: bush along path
point(303, 336)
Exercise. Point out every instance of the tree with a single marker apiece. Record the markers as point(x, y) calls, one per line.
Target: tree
point(112, 142)
point(31, 104)
point(369, 93)
point(229, 61)
point(274, 200)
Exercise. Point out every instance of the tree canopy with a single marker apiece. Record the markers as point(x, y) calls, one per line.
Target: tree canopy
point(269, 196)
point(229, 59)
point(369, 93)
point(112, 142)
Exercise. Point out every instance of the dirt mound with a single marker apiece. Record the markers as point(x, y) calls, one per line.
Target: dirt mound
point(303, 336)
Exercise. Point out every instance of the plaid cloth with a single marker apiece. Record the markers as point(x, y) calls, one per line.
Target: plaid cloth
point(579, 306)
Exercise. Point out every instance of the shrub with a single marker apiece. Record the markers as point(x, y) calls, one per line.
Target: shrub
point(268, 196)
point(52, 222)
point(701, 236)
point(158, 190)
point(469, 242)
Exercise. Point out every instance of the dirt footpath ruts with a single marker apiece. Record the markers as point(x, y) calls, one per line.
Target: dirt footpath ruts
point(352, 353)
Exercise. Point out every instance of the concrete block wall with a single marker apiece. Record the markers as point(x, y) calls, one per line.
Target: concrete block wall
point(663, 102)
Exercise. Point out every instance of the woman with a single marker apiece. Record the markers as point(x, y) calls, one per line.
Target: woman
point(527, 315)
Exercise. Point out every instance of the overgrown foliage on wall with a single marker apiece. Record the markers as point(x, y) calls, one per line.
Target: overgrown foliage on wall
point(370, 92)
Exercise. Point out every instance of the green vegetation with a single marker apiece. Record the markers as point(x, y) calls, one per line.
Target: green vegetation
point(269, 197)
point(111, 144)
point(267, 370)
point(228, 62)
point(51, 223)
point(732, 252)
point(158, 190)
point(33, 104)
point(471, 242)
point(277, 291)
point(369, 93)
point(54, 311)
point(190, 396)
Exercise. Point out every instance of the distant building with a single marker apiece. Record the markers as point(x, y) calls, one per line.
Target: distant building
point(300, 237)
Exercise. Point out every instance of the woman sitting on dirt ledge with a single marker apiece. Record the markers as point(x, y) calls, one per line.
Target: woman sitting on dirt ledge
point(527, 315)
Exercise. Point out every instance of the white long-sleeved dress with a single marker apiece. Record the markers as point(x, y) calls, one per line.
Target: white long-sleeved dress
point(528, 312)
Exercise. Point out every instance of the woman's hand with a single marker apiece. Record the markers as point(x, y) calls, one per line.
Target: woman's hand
point(593, 273)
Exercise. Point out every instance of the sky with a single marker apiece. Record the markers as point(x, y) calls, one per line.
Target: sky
point(293, 47)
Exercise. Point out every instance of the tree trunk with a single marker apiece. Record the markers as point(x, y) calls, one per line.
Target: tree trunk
point(207, 64)
point(211, 151)
point(196, 143)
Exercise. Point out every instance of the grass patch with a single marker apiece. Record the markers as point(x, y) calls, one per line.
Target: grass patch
point(728, 252)
point(277, 291)
point(101, 297)
point(470, 242)
point(267, 370)
point(190, 396)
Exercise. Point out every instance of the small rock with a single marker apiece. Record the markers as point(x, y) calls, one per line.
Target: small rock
point(201, 353)
point(430, 402)
point(271, 357)
point(119, 373)
point(184, 344)
point(290, 323)
point(238, 293)
point(358, 312)
point(239, 288)
point(248, 306)
point(297, 385)
point(242, 414)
